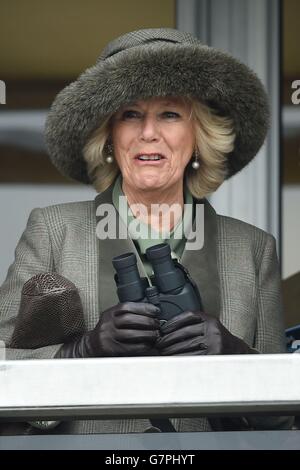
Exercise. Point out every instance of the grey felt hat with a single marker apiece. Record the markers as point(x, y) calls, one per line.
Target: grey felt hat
point(156, 62)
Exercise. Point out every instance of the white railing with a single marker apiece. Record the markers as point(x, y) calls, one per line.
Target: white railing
point(148, 386)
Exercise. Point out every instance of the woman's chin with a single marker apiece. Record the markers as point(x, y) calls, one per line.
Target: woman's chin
point(150, 183)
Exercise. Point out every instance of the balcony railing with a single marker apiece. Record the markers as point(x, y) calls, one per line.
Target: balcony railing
point(149, 386)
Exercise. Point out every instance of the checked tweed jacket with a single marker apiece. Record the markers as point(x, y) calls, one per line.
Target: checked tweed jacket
point(236, 272)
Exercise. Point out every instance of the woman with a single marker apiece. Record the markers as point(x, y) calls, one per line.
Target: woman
point(160, 119)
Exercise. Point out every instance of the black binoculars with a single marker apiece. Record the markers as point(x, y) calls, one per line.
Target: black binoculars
point(172, 289)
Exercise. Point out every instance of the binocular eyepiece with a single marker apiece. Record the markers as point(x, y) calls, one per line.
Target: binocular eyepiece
point(172, 289)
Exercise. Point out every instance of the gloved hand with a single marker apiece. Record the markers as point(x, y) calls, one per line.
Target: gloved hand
point(197, 333)
point(126, 329)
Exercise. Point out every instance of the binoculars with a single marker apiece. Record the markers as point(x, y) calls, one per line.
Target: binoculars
point(172, 289)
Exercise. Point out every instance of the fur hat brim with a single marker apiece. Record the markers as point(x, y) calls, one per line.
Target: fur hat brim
point(159, 68)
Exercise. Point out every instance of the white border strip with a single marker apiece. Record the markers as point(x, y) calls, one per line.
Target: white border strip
point(203, 383)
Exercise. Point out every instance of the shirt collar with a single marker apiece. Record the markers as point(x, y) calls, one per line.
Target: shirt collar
point(144, 234)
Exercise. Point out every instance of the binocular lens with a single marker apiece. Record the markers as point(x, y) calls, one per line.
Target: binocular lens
point(157, 252)
point(168, 278)
point(130, 285)
point(124, 261)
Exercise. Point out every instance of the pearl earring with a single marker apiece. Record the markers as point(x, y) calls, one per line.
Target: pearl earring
point(196, 164)
point(109, 151)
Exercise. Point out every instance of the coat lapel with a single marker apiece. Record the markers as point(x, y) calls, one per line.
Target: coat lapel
point(201, 264)
point(109, 248)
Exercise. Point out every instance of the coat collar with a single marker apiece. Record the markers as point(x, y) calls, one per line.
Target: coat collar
point(201, 263)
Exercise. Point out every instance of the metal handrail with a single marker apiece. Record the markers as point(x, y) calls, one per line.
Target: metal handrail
point(150, 386)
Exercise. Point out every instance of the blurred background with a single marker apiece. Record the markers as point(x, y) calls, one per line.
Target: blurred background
point(290, 162)
point(44, 45)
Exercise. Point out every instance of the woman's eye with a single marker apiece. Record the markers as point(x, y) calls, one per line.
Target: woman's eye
point(130, 114)
point(171, 115)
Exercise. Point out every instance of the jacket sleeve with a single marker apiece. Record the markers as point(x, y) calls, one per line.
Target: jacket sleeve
point(270, 336)
point(33, 255)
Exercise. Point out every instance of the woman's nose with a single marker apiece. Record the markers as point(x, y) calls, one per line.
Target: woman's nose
point(149, 128)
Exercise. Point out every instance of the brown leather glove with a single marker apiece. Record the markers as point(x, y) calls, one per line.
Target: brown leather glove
point(126, 329)
point(197, 333)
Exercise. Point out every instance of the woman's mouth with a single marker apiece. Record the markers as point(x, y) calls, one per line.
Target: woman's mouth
point(153, 158)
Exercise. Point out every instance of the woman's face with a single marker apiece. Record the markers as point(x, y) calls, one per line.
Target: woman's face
point(153, 142)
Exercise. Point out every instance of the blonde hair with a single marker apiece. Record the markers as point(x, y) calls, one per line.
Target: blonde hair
point(214, 137)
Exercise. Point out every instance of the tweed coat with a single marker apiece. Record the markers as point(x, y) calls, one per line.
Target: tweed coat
point(236, 271)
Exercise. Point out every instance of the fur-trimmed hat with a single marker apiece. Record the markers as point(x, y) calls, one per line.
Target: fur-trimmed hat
point(156, 62)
